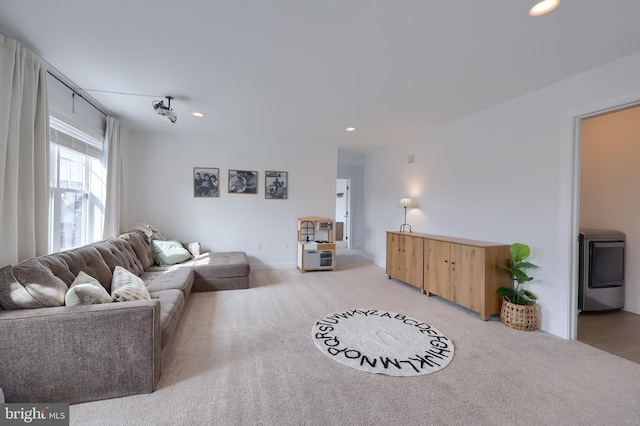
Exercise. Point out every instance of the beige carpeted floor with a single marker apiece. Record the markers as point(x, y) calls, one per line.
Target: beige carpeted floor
point(245, 357)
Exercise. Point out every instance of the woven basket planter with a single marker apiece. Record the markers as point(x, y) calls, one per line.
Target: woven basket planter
point(519, 317)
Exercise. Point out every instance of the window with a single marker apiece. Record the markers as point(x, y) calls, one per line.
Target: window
point(77, 187)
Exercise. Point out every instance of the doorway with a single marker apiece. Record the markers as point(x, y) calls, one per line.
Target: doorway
point(342, 232)
point(606, 155)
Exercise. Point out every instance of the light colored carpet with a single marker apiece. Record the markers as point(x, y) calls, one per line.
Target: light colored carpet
point(382, 342)
point(245, 357)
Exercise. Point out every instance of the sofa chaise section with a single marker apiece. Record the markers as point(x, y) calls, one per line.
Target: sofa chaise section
point(214, 271)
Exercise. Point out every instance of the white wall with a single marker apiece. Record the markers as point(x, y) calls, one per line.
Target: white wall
point(504, 175)
point(158, 171)
point(609, 177)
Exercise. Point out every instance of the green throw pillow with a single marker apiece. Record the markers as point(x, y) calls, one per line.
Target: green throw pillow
point(169, 252)
point(86, 290)
point(127, 286)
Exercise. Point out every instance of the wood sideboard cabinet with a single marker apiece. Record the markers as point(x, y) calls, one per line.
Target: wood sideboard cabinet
point(405, 258)
point(460, 270)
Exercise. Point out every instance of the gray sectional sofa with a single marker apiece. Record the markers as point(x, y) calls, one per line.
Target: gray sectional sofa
point(55, 353)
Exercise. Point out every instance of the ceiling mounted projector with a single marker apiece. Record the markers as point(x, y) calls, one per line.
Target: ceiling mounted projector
point(165, 110)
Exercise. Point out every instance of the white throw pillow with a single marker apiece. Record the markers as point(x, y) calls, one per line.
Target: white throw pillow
point(86, 290)
point(127, 286)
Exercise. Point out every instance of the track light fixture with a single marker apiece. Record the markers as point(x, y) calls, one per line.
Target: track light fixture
point(165, 110)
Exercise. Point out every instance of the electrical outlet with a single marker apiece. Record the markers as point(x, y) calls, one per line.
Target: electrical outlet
point(258, 246)
point(285, 246)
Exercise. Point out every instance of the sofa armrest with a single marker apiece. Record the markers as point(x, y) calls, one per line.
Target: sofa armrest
point(194, 248)
point(80, 353)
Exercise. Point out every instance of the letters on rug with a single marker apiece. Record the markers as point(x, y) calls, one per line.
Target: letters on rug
point(382, 342)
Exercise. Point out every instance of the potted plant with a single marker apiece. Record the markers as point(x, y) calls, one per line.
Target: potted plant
point(518, 304)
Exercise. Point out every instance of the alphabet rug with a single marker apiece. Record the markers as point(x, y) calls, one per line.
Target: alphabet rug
point(382, 342)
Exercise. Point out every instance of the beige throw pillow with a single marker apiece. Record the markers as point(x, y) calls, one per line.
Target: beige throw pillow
point(127, 286)
point(86, 290)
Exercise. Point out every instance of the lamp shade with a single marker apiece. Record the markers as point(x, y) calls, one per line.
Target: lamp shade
point(406, 202)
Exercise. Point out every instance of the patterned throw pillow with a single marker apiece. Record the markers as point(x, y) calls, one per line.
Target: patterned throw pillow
point(127, 286)
point(86, 290)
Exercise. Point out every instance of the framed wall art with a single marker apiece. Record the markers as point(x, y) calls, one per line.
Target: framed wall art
point(276, 185)
point(206, 182)
point(243, 182)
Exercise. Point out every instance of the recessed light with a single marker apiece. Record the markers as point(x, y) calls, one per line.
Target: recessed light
point(350, 129)
point(198, 114)
point(542, 7)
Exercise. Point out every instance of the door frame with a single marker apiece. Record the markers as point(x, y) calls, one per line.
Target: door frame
point(575, 119)
point(346, 238)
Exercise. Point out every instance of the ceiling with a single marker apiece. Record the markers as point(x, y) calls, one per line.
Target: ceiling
point(295, 71)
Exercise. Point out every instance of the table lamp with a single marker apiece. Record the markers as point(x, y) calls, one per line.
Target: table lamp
point(405, 202)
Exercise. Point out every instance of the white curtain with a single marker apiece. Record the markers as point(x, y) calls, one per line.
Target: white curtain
point(24, 154)
point(113, 200)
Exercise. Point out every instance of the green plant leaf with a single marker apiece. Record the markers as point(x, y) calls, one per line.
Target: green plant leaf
point(520, 276)
point(509, 293)
point(529, 295)
point(519, 252)
point(523, 265)
point(517, 295)
point(505, 291)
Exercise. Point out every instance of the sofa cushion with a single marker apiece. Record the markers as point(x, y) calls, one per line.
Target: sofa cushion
point(169, 252)
point(68, 264)
point(140, 245)
point(172, 304)
point(118, 252)
point(86, 290)
point(127, 286)
point(168, 279)
point(30, 284)
point(220, 265)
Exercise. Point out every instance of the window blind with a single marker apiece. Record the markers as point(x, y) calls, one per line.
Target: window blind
point(64, 135)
